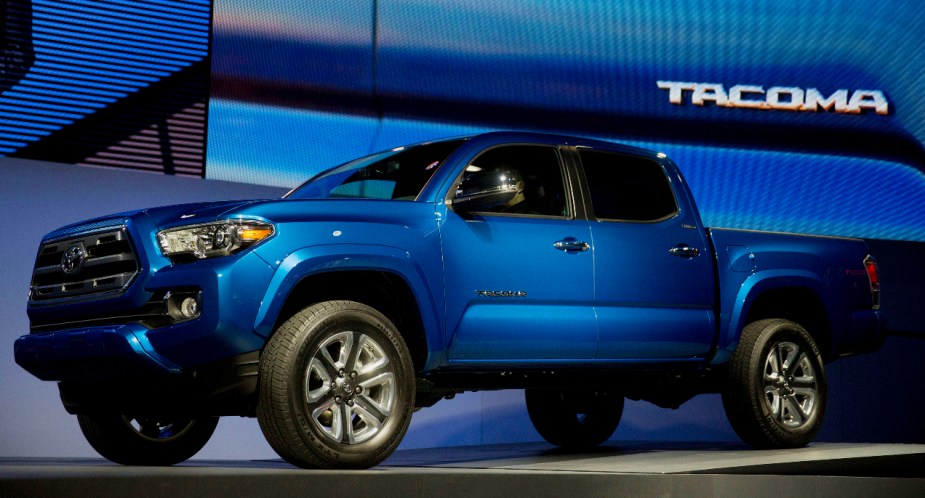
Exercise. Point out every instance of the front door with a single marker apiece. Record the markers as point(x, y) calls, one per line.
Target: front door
point(518, 266)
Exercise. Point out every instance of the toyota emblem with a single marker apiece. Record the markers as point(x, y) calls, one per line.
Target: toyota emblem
point(73, 259)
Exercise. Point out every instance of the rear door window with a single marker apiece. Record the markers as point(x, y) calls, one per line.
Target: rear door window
point(627, 188)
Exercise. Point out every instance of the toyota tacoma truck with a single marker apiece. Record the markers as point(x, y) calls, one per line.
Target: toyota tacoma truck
point(577, 270)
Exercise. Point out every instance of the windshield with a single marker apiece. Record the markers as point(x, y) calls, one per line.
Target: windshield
point(400, 173)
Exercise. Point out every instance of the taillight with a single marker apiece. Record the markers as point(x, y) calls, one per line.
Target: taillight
point(873, 276)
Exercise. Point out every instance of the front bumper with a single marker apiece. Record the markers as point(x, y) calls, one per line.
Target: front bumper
point(92, 353)
point(116, 369)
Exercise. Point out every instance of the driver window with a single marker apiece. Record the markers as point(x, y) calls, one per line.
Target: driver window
point(516, 179)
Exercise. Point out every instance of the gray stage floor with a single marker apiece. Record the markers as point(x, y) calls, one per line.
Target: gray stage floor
point(536, 469)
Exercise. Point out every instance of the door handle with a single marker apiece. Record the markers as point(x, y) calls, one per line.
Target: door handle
point(684, 251)
point(570, 244)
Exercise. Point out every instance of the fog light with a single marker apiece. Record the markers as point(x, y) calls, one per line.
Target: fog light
point(189, 308)
point(183, 305)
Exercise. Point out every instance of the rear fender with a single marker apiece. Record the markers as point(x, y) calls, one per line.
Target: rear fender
point(751, 289)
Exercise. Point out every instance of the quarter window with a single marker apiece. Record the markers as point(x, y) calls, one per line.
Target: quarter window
point(627, 188)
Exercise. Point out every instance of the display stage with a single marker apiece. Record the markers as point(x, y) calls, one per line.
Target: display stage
point(531, 469)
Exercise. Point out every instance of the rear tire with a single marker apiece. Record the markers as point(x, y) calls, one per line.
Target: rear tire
point(574, 418)
point(777, 391)
point(337, 387)
point(146, 440)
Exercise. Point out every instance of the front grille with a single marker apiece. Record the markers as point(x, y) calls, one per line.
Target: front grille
point(84, 265)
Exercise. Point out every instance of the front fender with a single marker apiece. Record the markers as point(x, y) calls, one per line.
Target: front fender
point(313, 260)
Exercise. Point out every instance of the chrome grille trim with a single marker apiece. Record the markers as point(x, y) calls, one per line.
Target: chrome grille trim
point(108, 265)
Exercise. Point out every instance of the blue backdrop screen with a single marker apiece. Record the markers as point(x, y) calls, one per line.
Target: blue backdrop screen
point(782, 118)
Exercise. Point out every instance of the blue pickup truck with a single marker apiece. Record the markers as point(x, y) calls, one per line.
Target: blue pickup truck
point(575, 269)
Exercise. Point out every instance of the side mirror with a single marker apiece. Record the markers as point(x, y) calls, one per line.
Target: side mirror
point(486, 191)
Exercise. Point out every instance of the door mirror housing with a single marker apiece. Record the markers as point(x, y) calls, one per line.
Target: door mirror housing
point(487, 191)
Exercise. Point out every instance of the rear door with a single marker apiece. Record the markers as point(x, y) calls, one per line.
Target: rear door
point(653, 274)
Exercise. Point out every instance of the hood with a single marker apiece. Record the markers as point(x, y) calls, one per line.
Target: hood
point(275, 210)
point(160, 216)
point(371, 211)
point(190, 214)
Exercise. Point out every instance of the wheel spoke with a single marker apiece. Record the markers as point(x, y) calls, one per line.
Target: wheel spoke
point(791, 351)
point(329, 362)
point(326, 362)
point(376, 377)
point(805, 392)
point(323, 396)
point(317, 380)
point(346, 349)
point(346, 422)
point(772, 367)
point(326, 417)
point(804, 373)
point(792, 414)
point(368, 422)
point(317, 411)
point(350, 362)
point(805, 399)
point(805, 380)
point(772, 397)
point(373, 409)
point(382, 383)
point(370, 357)
point(373, 375)
point(381, 399)
point(344, 341)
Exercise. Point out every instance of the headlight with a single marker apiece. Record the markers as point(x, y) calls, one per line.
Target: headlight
point(210, 240)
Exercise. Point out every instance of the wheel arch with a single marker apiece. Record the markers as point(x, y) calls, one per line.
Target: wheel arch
point(795, 297)
point(801, 305)
point(382, 281)
point(387, 292)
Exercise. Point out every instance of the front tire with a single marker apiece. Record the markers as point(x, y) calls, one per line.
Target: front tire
point(133, 440)
point(574, 418)
point(336, 387)
point(776, 397)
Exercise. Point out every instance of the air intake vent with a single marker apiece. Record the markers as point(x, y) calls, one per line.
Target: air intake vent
point(84, 265)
